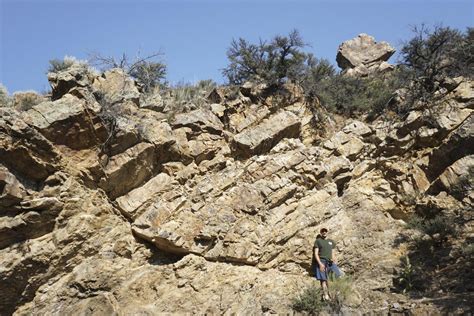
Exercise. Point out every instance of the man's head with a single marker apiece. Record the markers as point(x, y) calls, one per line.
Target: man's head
point(323, 232)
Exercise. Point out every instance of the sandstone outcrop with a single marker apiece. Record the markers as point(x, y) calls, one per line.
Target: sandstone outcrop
point(362, 55)
point(113, 208)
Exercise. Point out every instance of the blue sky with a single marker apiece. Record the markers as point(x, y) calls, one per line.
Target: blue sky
point(194, 35)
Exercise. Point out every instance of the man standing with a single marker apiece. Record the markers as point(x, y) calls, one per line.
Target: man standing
point(325, 260)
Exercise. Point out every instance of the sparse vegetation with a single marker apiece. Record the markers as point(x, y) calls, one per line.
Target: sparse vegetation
point(406, 276)
point(25, 100)
point(185, 96)
point(149, 71)
point(58, 65)
point(434, 55)
point(309, 301)
point(439, 228)
point(339, 290)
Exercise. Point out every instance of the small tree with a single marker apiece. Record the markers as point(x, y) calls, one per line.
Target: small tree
point(274, 62)
point(434, 55)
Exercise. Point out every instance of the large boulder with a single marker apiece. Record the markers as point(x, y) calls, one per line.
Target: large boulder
point(363, 55)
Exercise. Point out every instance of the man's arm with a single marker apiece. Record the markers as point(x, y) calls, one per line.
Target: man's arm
point(316, 256)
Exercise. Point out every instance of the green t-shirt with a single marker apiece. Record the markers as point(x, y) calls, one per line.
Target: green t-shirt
point(325, 247)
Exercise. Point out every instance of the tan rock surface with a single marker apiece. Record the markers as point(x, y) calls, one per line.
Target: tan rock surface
point(202, 214)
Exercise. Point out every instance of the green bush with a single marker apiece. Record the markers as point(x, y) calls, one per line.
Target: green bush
point(339, 290)
point(270, 62)
point(433, 55)
point(353, 95)
point(439, 227)
point(309, 301)
point(148, 73)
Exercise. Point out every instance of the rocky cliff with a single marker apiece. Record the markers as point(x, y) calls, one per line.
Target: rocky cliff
point(112, 204)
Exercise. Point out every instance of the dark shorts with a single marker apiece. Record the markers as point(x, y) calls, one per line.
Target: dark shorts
point(330, 268)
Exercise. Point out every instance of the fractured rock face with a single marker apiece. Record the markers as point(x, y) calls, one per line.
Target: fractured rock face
point(67, 121)
point(363, 55)
point(128, 170)
point(23, 150)
point(261, 138)
point(12, 190)
point(115, 86)
point(216, 210)
point(76, 76)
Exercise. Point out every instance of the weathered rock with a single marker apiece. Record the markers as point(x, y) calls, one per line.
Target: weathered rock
point(458, 144)
point(77, 75)
point(357, 128)
point(68, 121)
point(201, 120)
point(248, 117)
point(115, 86)
point(363, 54)
point(261, 138)
point(152, 101)
point(193, 230)
point(37, 218)
point(128, 170)
point(131, 203)
point(12, 192)
point(23, 150)
point(457, 179)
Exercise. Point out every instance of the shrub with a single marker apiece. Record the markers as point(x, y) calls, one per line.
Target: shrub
point(4, 98)
point(58, 65)
point(316, 71)
point(309, 301)
point(148, 73)
point(353, 95)
point(439, 227)
point(185, 95)
point(339, 291)
point(433, 55)
point(25, 100)
point(468, 251)
point(272, 63)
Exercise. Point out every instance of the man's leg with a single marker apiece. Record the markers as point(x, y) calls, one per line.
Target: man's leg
point(325, 294)
point(337, 272)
